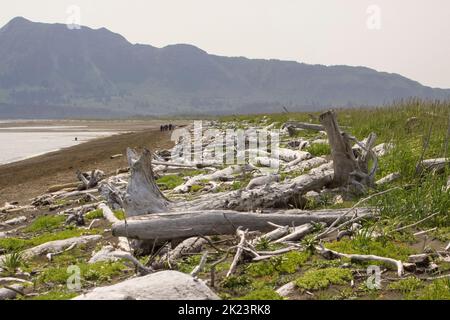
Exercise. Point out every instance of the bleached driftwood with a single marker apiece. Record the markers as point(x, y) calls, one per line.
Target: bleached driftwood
point(55, 246)
point(200, 266)
point(330, 254)
point(266, 162)
point(297, 233)
point(274, 195)
point(83, 209)
point(108, 253)
point(142, 195)
point(6, 280)
point(261, 181)
point(264, 255)
point(188, 246)
point(65, 195)
point(304, 126)
point(299, 144)
point(8, 206)
point(240, 249)
point(167, 226)
point(224, 174)
point(287, 289)
point(348, 169)
point(388, 179)
point(63, 186)
point(303, 165)
point(111, 217)
point(289, 155)
point(15, 221)
point(108, 214)
point(89, 181)
point(273, 235)
point(418, 222)
point(437, 165)
point(383, 149)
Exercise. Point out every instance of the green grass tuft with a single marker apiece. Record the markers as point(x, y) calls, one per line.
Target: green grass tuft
point(262, 294)
point(323, 278)
point(18, 244)
point(319, 149)
point(170, 182)
point(96, 214)
point(46, 224)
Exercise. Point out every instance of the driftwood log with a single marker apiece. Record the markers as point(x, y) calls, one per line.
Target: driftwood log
point(303, 125)
point(168, 226)
point(89, 181)
point(144, 197)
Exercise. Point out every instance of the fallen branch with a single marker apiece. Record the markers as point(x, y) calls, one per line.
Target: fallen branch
point(51, 255)
point(59, 187)
point(297, 233)
point(416, 223)
point(241, 234)
point(263, 255)
point(304, 126)
point(200, 266)
point(279, 232)
point(339, 219)
point(108, 253)
point(388, 179)
point(58, 245)
point(330, 254)
point(213, 265)
point(288, 289)
point(6, 280)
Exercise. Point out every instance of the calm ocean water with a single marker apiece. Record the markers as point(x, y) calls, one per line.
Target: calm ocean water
point(18, 143)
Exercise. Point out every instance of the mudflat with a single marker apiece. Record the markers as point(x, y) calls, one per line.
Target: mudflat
point(23, 180)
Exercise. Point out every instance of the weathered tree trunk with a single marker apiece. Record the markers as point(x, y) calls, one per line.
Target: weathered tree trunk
point(167, 226)
point(143, 195)
point(348, 168)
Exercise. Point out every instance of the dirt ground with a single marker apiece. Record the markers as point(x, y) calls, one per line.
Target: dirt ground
point(23, 180)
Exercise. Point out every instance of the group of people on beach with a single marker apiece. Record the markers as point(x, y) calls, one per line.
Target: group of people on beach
point(167, 127)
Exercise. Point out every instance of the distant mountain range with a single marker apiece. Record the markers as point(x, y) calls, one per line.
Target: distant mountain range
point(49, 71)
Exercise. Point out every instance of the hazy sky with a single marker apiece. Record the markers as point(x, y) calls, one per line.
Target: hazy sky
point(410, 37)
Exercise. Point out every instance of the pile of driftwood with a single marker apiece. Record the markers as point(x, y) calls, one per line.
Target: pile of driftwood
point(168, 225)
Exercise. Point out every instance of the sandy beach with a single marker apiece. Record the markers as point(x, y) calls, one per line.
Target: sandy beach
point(22, 180)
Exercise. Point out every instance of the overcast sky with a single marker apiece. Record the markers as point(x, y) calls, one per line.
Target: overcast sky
point(410, 37)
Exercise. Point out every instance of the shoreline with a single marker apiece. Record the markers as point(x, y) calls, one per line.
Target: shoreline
point(76, 143)
point(24, 179)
